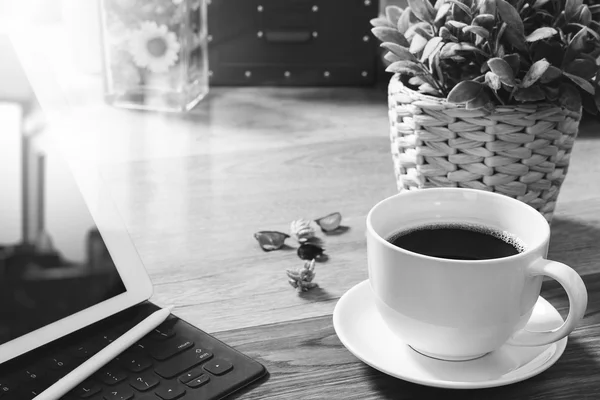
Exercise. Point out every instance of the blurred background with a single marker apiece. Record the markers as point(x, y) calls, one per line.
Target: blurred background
point(50, 249)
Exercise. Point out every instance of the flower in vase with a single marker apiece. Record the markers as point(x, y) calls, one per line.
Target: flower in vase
point(125, 75)
point(126, 4)
point(154, 47)
point(117, 34)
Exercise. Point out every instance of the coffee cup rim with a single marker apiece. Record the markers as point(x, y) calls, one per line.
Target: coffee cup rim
point(528, 250)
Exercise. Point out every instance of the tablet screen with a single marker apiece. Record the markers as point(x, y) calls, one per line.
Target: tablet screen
point(53, 260)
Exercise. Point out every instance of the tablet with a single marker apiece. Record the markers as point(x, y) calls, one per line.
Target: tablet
point(66, 258)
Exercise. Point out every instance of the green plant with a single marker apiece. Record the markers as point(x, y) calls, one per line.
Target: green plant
point(484, 53)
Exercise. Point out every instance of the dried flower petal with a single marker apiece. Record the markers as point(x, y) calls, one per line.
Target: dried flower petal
point(302, 229)
point(330, 222)
point(270, 240)
point(309, 251)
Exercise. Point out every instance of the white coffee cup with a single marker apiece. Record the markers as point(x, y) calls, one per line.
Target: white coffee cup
point(461, 310)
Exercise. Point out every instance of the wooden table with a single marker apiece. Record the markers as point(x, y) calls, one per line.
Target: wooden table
point(194, 188)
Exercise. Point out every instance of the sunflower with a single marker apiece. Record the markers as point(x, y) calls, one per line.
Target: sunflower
point(154, 47)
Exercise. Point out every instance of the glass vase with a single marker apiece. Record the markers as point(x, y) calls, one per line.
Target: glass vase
point(154, 53)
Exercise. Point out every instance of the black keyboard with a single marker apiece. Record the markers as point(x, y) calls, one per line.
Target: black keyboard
point(175, 361)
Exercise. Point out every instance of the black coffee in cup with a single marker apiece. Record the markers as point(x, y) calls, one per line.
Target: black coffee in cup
point(458, 242)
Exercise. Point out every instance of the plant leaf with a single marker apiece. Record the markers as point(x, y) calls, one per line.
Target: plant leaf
point(381, 21)
point(532, 93)
point(422, 9)
point(588, 102)
point(481, 101)
point(428, 89)
point(393, 14)
point(503, 70)
point(585, 16)
point(597, 98)
point(492, 80)
point(484, 20)
point(551, 74)
point(576, 46)
point(404, 21)
point(416, 81)
point(571, 8)
point(406, 67)
point(515, 31)
point(423, 32)
point(398, 50)
point(539, 3)
point(541, 33)
point(478, 30)
point(455, 49)
point(418, 43)
point(442, 11)
point(465, 91)
point(456, 24)
point(447, 35)
point(412, 30)
point(552, 92)
point(462, 6)
point(487, 7)
point(432, 44)
point(464, 46)
point(552, 51)
point(536, 71)
point(514, 60)
point(587, 29)
point(386, 34)
point(511, 16)
point(516, 39)
point(569, 97)
point(438, 69)
point(391, 57)
point(583, 68)
point(582, 83)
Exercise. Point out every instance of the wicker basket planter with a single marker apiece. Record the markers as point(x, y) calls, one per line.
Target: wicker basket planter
point(521, 151)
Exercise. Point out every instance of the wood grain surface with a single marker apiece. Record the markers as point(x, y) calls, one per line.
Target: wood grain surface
point(193, 189)
point(192, 219)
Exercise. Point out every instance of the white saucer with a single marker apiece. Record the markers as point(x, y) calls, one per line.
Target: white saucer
point(362, 330)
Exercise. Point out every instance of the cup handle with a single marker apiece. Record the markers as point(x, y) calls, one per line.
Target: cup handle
point(578, 298)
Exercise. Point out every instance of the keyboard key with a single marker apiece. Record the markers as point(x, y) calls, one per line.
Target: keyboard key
point(85, 350)
point(170, 391)
point(108, 338)
point(135, 362)
point(176, 365)
point(59, 362)
point(139, 347)
point(218, 366)
point(111, 375)
point(198, 381)
point(166, 349)
point(120, 393)
point(30, 391)
point(29, 376)
point(145, 381)
point(164, 331)
point(87, 389)
point(188, 376)
point(7, 386)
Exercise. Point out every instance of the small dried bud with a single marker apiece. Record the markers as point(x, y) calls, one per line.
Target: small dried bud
point(301, 278)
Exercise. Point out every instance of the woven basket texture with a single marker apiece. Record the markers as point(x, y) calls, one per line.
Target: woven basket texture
point(521, 151)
